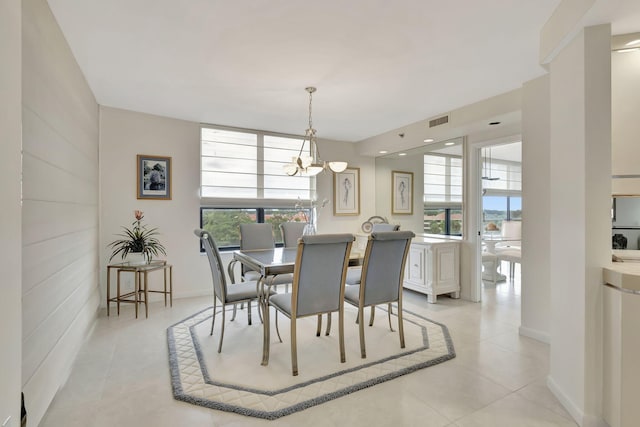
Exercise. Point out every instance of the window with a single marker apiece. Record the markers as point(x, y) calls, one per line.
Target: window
point(496, 209)
point(224, 223)
point(502, 199)
point(242, 180)
point(443, 194)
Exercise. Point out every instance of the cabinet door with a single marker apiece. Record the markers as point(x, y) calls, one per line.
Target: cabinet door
point(446, 268)
point(415, 266)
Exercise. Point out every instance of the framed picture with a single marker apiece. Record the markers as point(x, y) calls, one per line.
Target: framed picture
point(401, 193)
point(154, 177)
point(346, 192)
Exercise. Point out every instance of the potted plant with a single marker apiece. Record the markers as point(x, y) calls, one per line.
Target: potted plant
point(138, 239)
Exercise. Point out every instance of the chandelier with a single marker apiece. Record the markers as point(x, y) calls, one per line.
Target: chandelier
point(310, 164)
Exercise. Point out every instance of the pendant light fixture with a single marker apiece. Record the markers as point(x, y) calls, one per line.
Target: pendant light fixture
point(487, 166)
point(311, 164)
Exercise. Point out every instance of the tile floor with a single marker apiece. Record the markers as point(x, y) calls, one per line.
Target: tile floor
point(498, 378)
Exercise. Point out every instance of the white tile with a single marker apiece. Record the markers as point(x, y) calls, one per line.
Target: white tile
point(121, 375)
point(514, 411)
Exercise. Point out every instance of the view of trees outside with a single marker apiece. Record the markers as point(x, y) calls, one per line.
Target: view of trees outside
point(224, 224)
point(435, 221)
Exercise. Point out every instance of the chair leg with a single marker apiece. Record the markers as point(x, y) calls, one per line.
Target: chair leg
point(319, 328)
point(389, 315)
point(400, 324)
point(294, 348)
point(249, 311)
point(373, 315)
point(363, 352)
point(260, 311)
point(277, 328)
point(328, 324)
point(213, 318)
point(221, 330)
point(343, 357)
point(233, 317)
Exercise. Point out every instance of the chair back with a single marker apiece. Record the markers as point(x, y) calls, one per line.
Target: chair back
point(383, 268)
point(291, 232)
point(215, 262)
point(319, 273)
point(511, 230)
point(385, 227)
point(256, 236)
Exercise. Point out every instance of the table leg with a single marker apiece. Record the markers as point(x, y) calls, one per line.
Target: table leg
point(118, 294)
point(136, 290)
point(171, 286)
point(108, 289)
point(164, 270)
point(146, 296)
point(263, 303)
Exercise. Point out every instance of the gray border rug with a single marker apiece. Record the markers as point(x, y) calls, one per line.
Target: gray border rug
point(191, 381)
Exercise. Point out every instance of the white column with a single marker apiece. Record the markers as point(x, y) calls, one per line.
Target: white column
point(580, 177)
point(536, 231)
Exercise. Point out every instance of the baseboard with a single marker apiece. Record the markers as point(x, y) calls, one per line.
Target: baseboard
point(573, 410)
point(193, 294)
point(535, 334)
point(583, 420)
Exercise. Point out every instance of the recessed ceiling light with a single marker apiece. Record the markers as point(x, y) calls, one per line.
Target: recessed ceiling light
point(382, 152)
point(449, 143)
point(428, 140)
point(633, 42)
point(402, 154)
point(494, 123)
point(631, 49)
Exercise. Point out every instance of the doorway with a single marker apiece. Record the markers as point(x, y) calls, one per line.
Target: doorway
point(499, 218)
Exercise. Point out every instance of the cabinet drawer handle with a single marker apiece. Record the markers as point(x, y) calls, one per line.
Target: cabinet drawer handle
point(415, 265)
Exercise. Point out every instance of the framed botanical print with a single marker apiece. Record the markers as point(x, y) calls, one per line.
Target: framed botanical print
point(401, 193)
point(154, 177)
point(346, 192)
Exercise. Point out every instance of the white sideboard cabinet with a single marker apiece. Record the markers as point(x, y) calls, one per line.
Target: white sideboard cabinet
point(433, 267)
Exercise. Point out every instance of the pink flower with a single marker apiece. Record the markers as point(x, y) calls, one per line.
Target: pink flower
point(139, 215)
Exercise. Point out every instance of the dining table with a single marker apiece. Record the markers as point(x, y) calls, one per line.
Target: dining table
point(490, 268)
point(270, 263)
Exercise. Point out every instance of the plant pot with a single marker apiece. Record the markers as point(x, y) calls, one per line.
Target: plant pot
point(136, 258)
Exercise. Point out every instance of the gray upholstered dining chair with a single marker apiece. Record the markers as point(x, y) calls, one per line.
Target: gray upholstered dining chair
point(254, 236)
point(354, 273)
point(235, 293)
point(291, 232)
point(382, 275)
point(318, 286)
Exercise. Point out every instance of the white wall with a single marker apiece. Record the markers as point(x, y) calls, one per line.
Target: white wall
point(580, 130)
point(124, 134)
point(60, 208)
point(10, 170)
point(536, 187)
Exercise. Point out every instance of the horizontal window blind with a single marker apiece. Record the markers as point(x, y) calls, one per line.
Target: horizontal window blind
point(243, 168)
point(442, 180)
point(510, 178)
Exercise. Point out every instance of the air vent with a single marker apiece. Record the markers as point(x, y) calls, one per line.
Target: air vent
point(439, 121)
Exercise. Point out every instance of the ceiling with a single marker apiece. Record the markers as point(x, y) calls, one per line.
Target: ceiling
point(377, 64)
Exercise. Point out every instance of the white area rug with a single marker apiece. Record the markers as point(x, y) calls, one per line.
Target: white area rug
point(235, 381)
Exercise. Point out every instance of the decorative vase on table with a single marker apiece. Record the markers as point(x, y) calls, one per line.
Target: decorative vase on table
point(310, 228)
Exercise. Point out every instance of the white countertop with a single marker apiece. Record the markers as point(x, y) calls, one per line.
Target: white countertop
point(435, 240)
point(626, 274)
